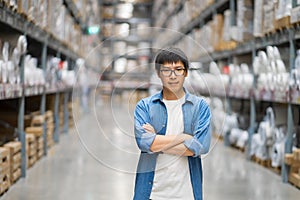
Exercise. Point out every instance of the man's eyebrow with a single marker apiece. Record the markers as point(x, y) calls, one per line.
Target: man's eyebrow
point(175, 67)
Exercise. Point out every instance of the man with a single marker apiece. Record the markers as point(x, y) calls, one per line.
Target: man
point(172, 130)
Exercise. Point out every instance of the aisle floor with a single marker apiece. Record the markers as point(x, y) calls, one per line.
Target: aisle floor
point(97, 161)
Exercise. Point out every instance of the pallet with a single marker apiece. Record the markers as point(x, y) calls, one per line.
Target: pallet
point(294, 179)
point(16, 175)
point(269, 33)
point(4, 186)
point(4, 181)
point(264, 163)
point(283, 23)
point(4, 159)
point(276, 170)
point(31, 161)
point(241, 149)
point(218, 136)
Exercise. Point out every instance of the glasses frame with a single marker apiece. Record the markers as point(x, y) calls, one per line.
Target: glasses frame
point(170, 71)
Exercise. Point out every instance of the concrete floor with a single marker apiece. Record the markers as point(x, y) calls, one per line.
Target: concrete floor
point(98, 160)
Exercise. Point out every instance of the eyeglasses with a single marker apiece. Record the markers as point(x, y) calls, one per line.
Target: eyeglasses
point(168, 72)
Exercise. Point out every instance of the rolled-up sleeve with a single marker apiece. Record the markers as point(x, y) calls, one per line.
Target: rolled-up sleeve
point(144, 139)
point(200, 143)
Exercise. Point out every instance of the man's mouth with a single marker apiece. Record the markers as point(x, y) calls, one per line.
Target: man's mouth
point(173, 83)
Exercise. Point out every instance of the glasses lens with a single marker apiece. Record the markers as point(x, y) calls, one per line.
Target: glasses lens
point(166, 72)
point(179, 72)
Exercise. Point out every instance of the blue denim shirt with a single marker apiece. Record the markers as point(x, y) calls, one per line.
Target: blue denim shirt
point(152, 110)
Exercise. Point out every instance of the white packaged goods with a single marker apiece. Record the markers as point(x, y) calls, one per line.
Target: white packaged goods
point(278, 147)
point(143, 30)
point(120, 48)
point(269, 17)
point(120, 65)
point(144, 49)
point(132, 66)
point(244, 28)
point(258, 18)
point(283, 9)
point(295, 15)
point(227, 25)
point(124, 11)
point(122, 30)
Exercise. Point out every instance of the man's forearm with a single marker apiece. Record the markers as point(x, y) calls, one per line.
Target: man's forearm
point(165, 142)
point(179, 150)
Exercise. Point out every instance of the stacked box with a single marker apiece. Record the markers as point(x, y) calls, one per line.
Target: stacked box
point(37, 129)
point(71, 120)
point(4, 170)
point(50, 128)
point(107, 12)
point(217, 32)
point(14, 148)
point(31, 150)
point(39, 147)
point(37, 121)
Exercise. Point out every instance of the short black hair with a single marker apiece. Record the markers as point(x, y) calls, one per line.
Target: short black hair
point(170, 55)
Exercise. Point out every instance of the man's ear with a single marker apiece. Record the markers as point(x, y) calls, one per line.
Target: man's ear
point(157, 72)
point(186, 73)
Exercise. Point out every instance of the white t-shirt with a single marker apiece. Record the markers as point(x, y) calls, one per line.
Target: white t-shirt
point(172, 175)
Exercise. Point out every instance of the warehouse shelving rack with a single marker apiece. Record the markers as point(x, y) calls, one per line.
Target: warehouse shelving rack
point(286, 36)
point(17, 23)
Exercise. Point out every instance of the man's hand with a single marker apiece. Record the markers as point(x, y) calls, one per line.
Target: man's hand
point(149, 128)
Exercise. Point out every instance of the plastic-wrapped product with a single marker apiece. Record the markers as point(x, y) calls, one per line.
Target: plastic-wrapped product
point(277, 156)
point(5, 51)
point(243, 139)
point(297, 60)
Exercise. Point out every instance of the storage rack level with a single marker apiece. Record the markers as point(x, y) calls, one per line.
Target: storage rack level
point(17, 24)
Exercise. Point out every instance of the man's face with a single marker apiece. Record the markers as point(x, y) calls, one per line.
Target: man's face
point(172, 76)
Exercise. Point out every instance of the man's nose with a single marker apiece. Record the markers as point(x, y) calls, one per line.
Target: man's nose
point(173, 75)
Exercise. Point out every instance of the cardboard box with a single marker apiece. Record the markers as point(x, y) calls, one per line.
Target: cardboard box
point(14, 147)
point(16, 175)
point(296, 154)
point(38, 120)
point(37, 131)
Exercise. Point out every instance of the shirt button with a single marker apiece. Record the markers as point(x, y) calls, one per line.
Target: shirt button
point(150, 183)
point(163, 125)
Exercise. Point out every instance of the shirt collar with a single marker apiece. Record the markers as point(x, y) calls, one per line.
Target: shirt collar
point(159, 96)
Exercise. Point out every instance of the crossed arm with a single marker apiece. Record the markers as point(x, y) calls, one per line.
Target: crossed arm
point(170, 144)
